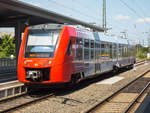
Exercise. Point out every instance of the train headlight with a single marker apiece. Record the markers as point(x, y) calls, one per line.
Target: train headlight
point(35, 64)
point(49, 62)
point(25, 62)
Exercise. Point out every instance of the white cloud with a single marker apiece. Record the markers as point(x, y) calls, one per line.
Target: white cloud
point(121, 17)
point(141, 20)
point(35, 4)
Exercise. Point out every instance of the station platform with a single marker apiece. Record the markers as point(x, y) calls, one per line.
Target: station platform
point(11, 89)
point(9, 84)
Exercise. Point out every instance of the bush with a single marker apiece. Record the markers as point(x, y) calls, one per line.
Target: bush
point(7, 47)
point(141, 52)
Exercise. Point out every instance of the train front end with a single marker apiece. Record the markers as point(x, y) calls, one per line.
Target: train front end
point(36, 56)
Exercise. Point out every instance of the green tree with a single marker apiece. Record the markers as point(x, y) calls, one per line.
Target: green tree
point(7, 46)
point(141, 52)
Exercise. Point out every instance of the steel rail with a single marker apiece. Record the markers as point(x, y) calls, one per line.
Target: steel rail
point(142, 62)
point(44, 97)
point(135, 100)
point(115, 93)
point(26, 103)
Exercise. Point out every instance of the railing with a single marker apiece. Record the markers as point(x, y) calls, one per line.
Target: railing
point(7, 65)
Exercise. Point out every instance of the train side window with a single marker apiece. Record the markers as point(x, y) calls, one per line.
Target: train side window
point(92, 54)
point(92, 43)
point(120, 45)
point(115, 46)
point(97, 45)
point(120, 50)
point(86, 49)
point(102, 53)
point(69, 47)
point(79, 49)
point(124, 50)
point(86, 43)
point(97, 54)
point(86, 54)
point(115, 53)
point(106, 49)
point(110, 49)
point(110, 45)
point(102, 45)
point(79, 41)
point(92, 49)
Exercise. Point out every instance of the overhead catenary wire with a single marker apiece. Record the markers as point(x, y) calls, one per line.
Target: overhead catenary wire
point(143, 12)
point(74, 10)
point(123, 28)
point(79, 12)
point(139, 7)
point(134, 11)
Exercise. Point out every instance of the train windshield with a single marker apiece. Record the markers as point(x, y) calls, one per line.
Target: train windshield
point(41, 44)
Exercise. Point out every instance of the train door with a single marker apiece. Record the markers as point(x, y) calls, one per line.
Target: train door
point(89, 61)
point(117, 51)
point(110, 63)
point(97, 53)
point(102, 56)
point(106, 63)
point(120, 51)
point(86, 55)
point(97, 57)
point(78, 61)
point(91, 58)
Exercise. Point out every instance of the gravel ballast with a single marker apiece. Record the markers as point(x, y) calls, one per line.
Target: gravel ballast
point(83, 98)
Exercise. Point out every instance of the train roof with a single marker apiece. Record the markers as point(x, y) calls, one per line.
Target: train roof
point(103, 37)
point(106, 38)
point(86, 33)
point(113, 39)
point(47, 26)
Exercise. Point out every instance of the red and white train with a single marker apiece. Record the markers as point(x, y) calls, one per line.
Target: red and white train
point(53, 54)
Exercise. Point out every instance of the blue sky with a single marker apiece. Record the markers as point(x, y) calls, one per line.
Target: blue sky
point(131, 16)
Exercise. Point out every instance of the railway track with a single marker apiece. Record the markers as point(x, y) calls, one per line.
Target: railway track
point(126, 99)
point(28, 98)
point(10, 105)
point(141, 62)
point(23, 99)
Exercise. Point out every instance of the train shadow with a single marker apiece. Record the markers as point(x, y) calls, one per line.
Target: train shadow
point(85, 83)
point(65, 89)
